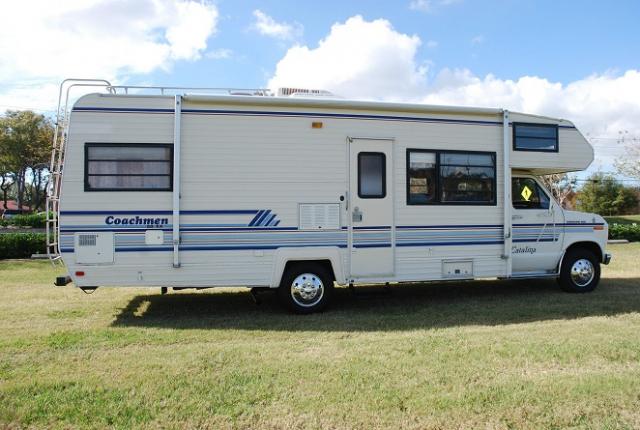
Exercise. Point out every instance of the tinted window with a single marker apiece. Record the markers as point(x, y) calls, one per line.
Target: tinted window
point(527, 194)
point(535, 137)
point(467, 177)
point(125, 167)
point(421, 177)
point(466, 159)
point(450, 177)
point(371, 175)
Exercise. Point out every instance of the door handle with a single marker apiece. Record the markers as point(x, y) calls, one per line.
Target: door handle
point(516, 217)
point(356, 215)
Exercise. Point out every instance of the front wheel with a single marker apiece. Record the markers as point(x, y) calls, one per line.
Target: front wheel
point(306, 288)
point(580, 271)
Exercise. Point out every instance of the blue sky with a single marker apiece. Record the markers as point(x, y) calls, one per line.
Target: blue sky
point(577, 60)
point(562, 41)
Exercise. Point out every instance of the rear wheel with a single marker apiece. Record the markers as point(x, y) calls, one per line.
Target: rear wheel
point(580, 271)
point(306, 288)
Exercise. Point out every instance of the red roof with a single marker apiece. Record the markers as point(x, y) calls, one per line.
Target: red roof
point(12, 205)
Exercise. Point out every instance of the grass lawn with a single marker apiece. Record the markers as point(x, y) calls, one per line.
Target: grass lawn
point(473, 355)
point(623, 219)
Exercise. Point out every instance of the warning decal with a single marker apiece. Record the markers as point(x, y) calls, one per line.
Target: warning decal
point(526, 193)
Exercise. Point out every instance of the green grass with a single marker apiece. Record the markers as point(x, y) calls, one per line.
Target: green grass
point(623, 219)
point(468, 355)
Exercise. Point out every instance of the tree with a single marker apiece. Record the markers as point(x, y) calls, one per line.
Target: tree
point(629, 163)
point(6, 181)
point(602, 194)
point(26, 138)
point(562, 187)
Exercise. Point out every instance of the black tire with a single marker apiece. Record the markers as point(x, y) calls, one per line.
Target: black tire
point(585, 278)
point(301, 300)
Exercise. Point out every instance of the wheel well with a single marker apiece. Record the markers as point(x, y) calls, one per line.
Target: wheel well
point(590, 246)
point(326, 264)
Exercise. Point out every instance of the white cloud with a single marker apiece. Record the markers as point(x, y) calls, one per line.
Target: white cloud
point(41, 97)
point(364, 59)
point(599, 105)
point(371, 60)
point(44, 42)
point(431, 44)
point(267, 26)
point(219, 54)
point(429, 6)
point(477, 40)
point(421, 5)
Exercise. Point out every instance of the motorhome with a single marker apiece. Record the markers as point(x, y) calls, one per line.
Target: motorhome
point(299, 191)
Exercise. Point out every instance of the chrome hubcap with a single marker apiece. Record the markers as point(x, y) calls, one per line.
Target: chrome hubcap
point(582, 272)
point(307, 289)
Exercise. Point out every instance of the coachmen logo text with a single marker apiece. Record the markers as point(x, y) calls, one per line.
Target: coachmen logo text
point(136, 220)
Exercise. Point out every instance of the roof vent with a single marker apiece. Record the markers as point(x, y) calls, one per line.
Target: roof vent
point(303, 92)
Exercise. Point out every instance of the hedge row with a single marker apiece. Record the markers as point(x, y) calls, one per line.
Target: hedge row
point(631, 232)
point(22, 245)
point(28, 220)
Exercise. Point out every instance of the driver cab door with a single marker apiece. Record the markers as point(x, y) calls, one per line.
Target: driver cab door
point(538, 228)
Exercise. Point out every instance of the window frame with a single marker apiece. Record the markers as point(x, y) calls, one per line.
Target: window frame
point(384, 174)
point(87, 145)
point(514, 126)
point(437, 200)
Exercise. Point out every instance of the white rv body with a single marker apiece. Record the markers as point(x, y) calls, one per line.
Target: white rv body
point(266, 181)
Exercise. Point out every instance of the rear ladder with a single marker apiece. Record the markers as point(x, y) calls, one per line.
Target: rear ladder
point(57, 163)
point(60, 140)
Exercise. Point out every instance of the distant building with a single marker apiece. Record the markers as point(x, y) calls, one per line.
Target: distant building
point(12, 209)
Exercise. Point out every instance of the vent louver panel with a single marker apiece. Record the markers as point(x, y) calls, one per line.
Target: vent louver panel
point(87, 240)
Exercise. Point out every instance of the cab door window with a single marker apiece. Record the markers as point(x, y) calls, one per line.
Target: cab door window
point(527, 194)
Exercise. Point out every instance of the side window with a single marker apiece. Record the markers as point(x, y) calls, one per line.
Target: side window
point(451, 177)
point(421, 177)
point(128, 167)
point(535, 137)
point(467, 177)
point(372, 175)
point(527, 194)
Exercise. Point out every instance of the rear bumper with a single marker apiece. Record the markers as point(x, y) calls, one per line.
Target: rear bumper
point(606, 259)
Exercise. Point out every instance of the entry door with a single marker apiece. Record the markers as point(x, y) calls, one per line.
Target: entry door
point(371, 231)
point(537, 228)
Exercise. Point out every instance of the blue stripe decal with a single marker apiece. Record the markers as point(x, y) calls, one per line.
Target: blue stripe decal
point(264, 234)
point(570, 224)
point(269, 220)
point(297, 114)
point(115, 109)
point(253, 221)
point(145, 212)
point(493, 242)
point(126, 230)
point(450, 226)
point(263, 217)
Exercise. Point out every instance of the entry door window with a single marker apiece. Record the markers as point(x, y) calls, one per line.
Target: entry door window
point(527, 194)
point(372, 175)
